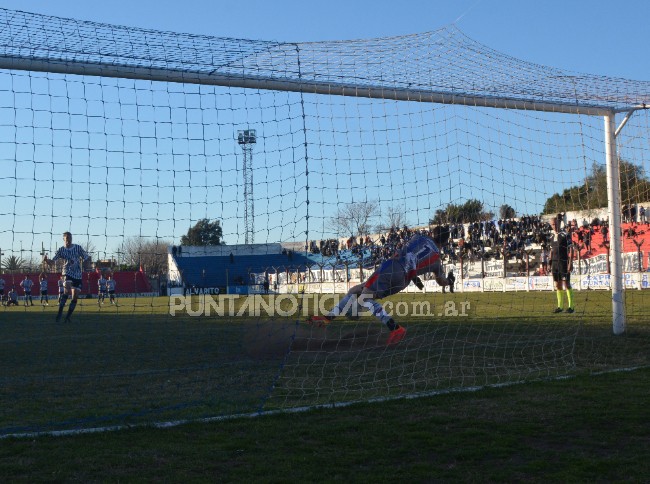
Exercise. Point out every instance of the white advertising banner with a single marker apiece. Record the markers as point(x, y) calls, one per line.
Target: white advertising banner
point(493, 268)
point(494, 284)
point(541, 283)
point(516, 283)
point(471, 285)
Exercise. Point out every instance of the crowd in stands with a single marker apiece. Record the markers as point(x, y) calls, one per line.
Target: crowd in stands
point(523, 241)
point(489, 239)
point(516, 238)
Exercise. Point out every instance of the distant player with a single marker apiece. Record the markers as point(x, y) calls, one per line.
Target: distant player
point(72, 255)
point(27, 284)
point(562, 253)
point(12, 297)
point(451, 279)
point(2, 291)
point(101, 289)
point(43, 287)
point(418, 256)
point(61, 286)
point(110, 286)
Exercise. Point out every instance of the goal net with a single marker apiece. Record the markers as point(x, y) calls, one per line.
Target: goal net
point(231, 188)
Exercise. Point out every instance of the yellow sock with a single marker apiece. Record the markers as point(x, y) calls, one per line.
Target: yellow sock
point(569, 296)
point(558, 293)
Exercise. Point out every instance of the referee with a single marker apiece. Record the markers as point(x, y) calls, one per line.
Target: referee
point(561, 266)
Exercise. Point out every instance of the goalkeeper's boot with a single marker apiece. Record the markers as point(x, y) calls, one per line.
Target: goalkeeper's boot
point(570, 310)
point(319, 320)
point(558, 310)
point(396, 335)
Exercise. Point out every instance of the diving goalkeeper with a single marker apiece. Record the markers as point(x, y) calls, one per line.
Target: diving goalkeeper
point(418, 256)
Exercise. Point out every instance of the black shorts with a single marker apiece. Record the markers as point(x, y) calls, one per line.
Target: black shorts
point(2, 292)
point(43, 293)
point(75, 283)
point(561, 273)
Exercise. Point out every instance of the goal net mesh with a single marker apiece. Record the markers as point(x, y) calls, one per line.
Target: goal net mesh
point(325, 157)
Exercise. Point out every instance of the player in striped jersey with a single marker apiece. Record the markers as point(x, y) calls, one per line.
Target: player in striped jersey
point(43, 286)
point(110, 286)
point(418, 256)
point(72, 256)
point(61, 285)
point(27, 284)
point(2, 291)
point(101, 289)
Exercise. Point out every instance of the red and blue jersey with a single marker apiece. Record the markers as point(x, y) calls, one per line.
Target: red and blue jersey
point(418, 255)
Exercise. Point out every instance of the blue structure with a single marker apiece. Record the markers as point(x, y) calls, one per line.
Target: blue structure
point(222, 271)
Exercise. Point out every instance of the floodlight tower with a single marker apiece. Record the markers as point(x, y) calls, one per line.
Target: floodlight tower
point(246, 139)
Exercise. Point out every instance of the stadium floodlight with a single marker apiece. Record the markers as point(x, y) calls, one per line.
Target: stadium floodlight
point(124, 136)
point(246, 139)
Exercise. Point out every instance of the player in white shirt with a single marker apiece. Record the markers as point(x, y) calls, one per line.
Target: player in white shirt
point(61, 284)
point(27, 284)
point(12, 297)
point(101, 289)
point(110, 286)
point(72, 256)
point(43, 286)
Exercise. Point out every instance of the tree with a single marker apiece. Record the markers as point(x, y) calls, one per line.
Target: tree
point(506, 211)
point(204, 232)
point(149, 254)
point(394, 218)
point(470, 211)
point(593, 192)
point(354, 219)
point(13, 263)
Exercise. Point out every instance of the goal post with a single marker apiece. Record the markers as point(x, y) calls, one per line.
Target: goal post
point(614, 208)
point(228, 189)
point(249, 81)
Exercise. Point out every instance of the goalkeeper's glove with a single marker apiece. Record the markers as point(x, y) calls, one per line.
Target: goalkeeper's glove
point(418, 282)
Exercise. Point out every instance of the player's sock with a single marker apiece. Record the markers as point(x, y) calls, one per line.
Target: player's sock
point(377, 310)
point(558, 293)
point(73, 305)
point(341, 308)
point(569, 295)
point(62, 302)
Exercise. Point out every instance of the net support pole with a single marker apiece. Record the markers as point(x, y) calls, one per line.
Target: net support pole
point(614, 208)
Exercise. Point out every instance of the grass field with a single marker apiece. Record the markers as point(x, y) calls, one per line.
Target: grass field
point(583, 429)
point(135, 364)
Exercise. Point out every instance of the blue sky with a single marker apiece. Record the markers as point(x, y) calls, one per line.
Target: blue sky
point(597, 37)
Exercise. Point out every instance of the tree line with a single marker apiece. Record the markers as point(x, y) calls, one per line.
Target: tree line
point(592, 192)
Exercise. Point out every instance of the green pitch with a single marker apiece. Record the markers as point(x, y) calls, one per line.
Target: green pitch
point(135, 363)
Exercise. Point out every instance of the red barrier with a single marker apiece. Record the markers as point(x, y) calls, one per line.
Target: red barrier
point(125, 282)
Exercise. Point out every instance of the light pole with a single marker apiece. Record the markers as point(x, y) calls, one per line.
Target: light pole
point(246, 139)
